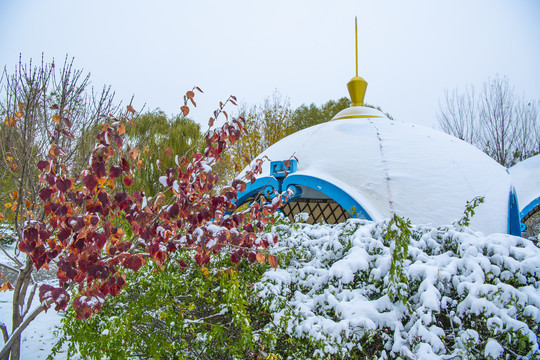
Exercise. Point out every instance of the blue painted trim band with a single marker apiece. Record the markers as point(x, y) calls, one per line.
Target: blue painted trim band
point(259, 185)
point(279, 169)
point(330, 190)
point(530, 207)
point(514, 220)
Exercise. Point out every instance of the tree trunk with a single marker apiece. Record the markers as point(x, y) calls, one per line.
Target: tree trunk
point(19, 299)
point(5, 335)
point(16, 335)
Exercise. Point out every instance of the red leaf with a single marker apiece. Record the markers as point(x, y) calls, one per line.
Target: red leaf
point(59, 296)
point(38, 256)
point(157, 254)
point(67, 268)
point(88, 304)
point(125, 164)
point(42, 165)
point(119, 197)
point(26, 247)
point(118, 140)
point(61, 210)
point(173, 211)
point(273, 261)
point(31, 234)
point(134, 262)
point(63, 185)
point(99, 168)
point(252, 257)
point(45, 193)
point(103, 197)
point(68, 134)
point(128, 180)
point(90, 181)
point(94, 208)
point(235, 257)
point(185, 110)
point(63, 234)
point(190, 94)
point(98, 271)
point(115, 171)
point(130, 109)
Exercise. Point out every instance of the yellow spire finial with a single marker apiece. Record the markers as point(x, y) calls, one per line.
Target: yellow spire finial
point(357, 86)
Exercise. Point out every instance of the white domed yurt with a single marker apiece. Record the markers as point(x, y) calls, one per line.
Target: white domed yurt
point(526, 179)
point(361, 164)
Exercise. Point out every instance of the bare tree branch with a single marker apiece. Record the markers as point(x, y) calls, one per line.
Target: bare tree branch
point(9, 268)
point(504, 126)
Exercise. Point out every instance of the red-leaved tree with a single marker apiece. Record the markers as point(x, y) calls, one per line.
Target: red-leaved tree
point(97, 227)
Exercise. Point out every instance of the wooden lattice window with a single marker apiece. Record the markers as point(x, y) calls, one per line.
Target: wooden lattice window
point(319, 210)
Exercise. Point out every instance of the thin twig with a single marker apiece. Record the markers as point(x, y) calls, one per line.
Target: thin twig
point(14, 259)
point(30, 299)
point(5, 333)
point(10, 268)
point(513, 353)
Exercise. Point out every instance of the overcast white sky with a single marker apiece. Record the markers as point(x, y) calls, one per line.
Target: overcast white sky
point(410, 51)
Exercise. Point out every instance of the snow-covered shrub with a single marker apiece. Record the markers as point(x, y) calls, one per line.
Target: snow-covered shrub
point(467, 295)
point(356, 290)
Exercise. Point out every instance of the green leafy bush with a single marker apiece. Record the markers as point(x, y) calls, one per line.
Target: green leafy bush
point(185, 311)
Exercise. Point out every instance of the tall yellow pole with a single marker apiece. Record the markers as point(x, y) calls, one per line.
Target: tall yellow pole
point(356, 41)
point(357, 86)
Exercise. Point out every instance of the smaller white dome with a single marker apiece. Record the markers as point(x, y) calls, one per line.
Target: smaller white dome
point(526, 179)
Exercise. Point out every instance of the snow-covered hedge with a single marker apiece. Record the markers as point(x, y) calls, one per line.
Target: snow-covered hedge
point(357, 290)
point(398, 291)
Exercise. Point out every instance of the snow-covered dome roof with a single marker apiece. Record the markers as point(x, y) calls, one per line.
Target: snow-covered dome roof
point(388, 167)
point(526, 179)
